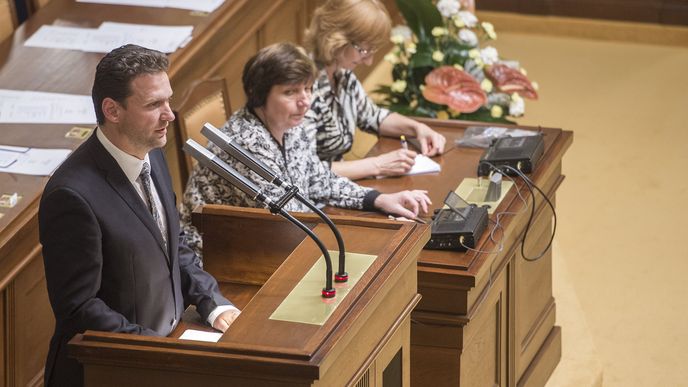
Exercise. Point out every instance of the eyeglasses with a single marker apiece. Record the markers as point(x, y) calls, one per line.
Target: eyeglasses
point(363, 51)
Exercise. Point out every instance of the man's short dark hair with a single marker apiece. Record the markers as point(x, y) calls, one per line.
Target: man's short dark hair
point(118, 68)
point(277, 64)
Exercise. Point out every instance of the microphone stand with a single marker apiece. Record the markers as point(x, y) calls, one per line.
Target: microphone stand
point(235, 150)
point(217, 165)
point(341, 275)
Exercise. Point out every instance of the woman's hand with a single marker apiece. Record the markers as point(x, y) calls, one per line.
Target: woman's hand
point(431, 142)
point(404, 203)
point(394, 163)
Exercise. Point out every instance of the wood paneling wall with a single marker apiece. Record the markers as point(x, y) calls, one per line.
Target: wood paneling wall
point(647, 11)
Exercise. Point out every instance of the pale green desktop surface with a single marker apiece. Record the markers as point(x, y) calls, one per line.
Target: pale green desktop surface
point(474, 193)
point(305, 304)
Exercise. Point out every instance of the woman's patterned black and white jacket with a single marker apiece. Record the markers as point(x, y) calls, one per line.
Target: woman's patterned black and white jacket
point(335, 113)
point(296, 163)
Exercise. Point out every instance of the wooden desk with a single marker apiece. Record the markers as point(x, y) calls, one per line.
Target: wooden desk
point(485, 319)
point(365, 342)
point(221, 43)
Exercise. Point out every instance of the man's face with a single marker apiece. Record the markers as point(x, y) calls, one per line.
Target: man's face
point(144, 116)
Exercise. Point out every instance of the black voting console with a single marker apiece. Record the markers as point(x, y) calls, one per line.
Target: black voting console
point(521, 153)
point(457, 226)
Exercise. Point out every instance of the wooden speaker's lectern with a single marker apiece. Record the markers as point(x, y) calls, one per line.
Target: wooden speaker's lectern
point(258, 259)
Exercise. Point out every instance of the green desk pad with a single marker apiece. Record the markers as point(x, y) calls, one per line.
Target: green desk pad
point(305, 304)
point(470, 191)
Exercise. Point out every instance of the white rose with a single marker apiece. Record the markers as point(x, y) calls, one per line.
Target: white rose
point(448, 7)
point(468, 37)
point(489, 55)
point(399, 86)
point(402, 30)
point(397, 39)
point(468, 19)
point(437, 56)
point(486, 85)
point(438, 31)
point(517, 106)
point(489, 30)
point(496, 111)
point(391, 58)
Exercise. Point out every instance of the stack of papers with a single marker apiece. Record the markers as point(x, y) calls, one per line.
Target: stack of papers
point(31, 161)
point(111, 35)
point(194, 5)
point(35, 107)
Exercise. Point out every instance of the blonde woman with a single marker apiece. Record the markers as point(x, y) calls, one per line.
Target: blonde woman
point(342, 35)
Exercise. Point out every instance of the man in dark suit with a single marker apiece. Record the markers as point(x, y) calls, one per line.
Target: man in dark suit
point(115, 259)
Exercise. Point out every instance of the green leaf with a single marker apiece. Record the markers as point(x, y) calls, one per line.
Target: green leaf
point(421, 16)
point(421, 59)
point(424, 112)
point(402, 109)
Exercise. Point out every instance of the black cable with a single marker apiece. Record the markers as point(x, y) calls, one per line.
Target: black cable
point(530, 184)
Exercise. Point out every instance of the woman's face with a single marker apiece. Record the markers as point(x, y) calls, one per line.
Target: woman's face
point(354, 54)
point(286, 105)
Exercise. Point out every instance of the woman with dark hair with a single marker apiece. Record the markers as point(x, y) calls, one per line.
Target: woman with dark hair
point(342, 35)
point(277, 82)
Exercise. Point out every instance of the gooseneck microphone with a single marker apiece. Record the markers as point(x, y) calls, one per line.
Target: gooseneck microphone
point(217, 165)
point(245, 157)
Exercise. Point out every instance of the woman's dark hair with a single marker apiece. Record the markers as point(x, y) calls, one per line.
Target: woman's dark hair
point(118, 68)
point(277, 64)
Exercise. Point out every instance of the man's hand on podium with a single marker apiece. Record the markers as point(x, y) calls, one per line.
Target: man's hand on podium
point(224, 320)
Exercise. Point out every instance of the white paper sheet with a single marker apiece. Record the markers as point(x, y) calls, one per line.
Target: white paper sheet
point(34, 107)
point(161, 38)
point(424, 164)
point(7, 158)
point(66, 38)
point(20, 149)
point(139, 3)
point(196, 5)
point(193, 5)
point(35, 161)
point(110, 36)
point(192, 334)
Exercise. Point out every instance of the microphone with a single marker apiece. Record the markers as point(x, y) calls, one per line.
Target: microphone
point(225, 143)
point(245, 157)
point(224, 170)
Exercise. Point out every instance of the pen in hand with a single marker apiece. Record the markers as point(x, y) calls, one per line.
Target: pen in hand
point(404, 144)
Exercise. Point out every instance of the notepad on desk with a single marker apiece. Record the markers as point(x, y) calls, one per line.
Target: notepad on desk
point(424, 164)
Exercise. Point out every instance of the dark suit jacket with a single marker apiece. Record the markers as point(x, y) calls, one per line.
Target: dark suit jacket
point(105, 262)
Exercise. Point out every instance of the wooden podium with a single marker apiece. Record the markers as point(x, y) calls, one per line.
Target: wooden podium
point(258, 259)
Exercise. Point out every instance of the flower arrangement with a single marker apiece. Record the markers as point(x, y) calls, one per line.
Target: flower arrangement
point(441, 71)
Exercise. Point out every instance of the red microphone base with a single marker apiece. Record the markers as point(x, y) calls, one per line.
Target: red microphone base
point(328, 293)
point(343, 277)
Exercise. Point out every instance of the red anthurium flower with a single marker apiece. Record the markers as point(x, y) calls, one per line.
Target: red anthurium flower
point(447, 85)
point(510, 80)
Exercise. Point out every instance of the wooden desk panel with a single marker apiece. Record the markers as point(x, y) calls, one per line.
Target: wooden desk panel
point(485, 319)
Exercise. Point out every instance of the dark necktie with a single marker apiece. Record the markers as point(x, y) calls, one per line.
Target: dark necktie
point(146, 183)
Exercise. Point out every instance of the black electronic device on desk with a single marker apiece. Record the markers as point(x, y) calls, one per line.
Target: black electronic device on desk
point(521, 153)
point(458, 226)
